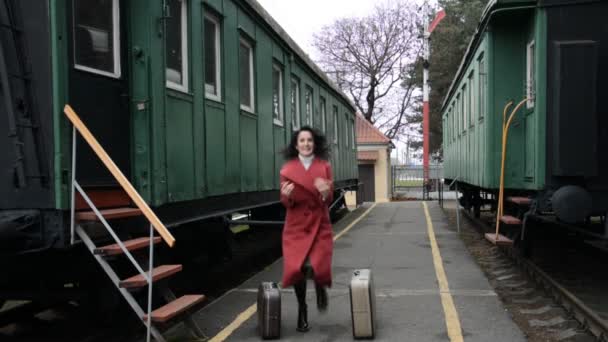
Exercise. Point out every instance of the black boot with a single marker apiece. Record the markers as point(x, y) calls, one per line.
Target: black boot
point(322, 300)
point(300, 289)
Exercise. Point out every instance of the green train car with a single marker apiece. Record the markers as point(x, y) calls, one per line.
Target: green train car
point(193, 100)
point(555, 54)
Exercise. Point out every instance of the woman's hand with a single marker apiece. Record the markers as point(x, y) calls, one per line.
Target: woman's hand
point(287, 188)
point(323, 187)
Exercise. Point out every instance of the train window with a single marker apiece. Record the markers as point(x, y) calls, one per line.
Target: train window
point(246, 74)
point(277, 94)
point(295, 103)
point(352, 133)
point(346, 135)
point(465, 108)
point(97, 36)
point(530, 77)
point(335, 118)
point(482, 87)
point(213, 59)
point(323, 114)
point(308, 106)
point(176, 42)
point(471, 102)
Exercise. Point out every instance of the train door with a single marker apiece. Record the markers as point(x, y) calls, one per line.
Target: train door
point(99, 84)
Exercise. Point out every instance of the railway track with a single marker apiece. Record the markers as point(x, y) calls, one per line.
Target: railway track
point(590, 312)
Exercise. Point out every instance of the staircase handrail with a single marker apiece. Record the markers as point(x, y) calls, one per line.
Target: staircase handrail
point(119, 176)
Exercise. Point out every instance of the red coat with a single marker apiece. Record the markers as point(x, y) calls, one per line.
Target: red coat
point(307, 230)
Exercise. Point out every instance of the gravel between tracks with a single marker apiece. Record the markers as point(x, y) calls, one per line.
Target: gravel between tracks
point(536, 314)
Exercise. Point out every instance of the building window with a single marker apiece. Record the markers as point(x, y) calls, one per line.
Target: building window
point(323, 114)
point(335, 117)
point(465, 108)
point(482, 87)
point(97, 36)
point(530, 76)
point(295, 103)
point(246, 74)
point(459, 114)
point(213, 64)
point(177, 45)
point(277, 94)
point(308, 106)
point(470, 100)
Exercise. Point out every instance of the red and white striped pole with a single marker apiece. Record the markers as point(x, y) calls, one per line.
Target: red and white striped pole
point(428, 29)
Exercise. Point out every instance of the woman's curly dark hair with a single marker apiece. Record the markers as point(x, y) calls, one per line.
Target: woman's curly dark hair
point(321, 150)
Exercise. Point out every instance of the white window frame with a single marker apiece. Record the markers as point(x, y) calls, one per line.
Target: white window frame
point(295, 85)
point(218, 60)
point(279, 121)
point(115, 45)
point(184, 85)
point(471, 95)
point(530, 74)
point(482, 87)
point(323, 105)
point(308, 109)
point(251, 107)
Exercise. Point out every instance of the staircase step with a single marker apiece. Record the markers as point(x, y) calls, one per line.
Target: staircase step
point(510, 220)
point(130, 245)
point(108, 214)
point(158, 273)
point(174, 308)
point(103, 198)
point(523, 201)
point(499, 239)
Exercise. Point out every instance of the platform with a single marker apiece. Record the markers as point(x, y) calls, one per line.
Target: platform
point(428, 287)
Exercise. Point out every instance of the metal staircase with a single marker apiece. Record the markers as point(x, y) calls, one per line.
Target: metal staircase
point(84, 210)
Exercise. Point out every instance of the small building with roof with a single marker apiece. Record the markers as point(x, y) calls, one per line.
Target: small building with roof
point(374, 164)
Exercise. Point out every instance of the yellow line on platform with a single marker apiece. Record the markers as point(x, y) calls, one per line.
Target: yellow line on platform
point(245, 315)
point(352, 224)
point(452, 321)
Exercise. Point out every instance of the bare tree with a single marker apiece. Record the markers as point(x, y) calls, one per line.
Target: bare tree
point(372, 58)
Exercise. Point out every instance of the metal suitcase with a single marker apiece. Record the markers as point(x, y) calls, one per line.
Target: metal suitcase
point(269, 310)
point(363, 304)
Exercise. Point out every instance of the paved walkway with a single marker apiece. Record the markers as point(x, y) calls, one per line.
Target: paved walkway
point(428, 287)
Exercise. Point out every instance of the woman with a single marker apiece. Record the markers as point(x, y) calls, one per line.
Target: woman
point(306, 191)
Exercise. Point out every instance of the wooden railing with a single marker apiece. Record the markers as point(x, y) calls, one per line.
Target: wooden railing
point(119, 176)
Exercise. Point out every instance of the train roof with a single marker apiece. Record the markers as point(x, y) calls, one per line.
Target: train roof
point(492, 7)
point(293, 46)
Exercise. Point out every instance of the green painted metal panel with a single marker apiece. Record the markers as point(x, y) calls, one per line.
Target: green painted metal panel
point(232, 101)
point(157, 104)
point(140, 100)
point(215, 135)
point(197, 88)
point(180, 150)
point(280, 142)
point(509, 70)
point(217, 5)
point(265, 144)
point(541, 97)
point(249, 153)
point(246, 23)
point(62, 131)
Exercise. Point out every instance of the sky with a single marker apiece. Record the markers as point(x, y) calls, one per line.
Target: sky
point(301, 19)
